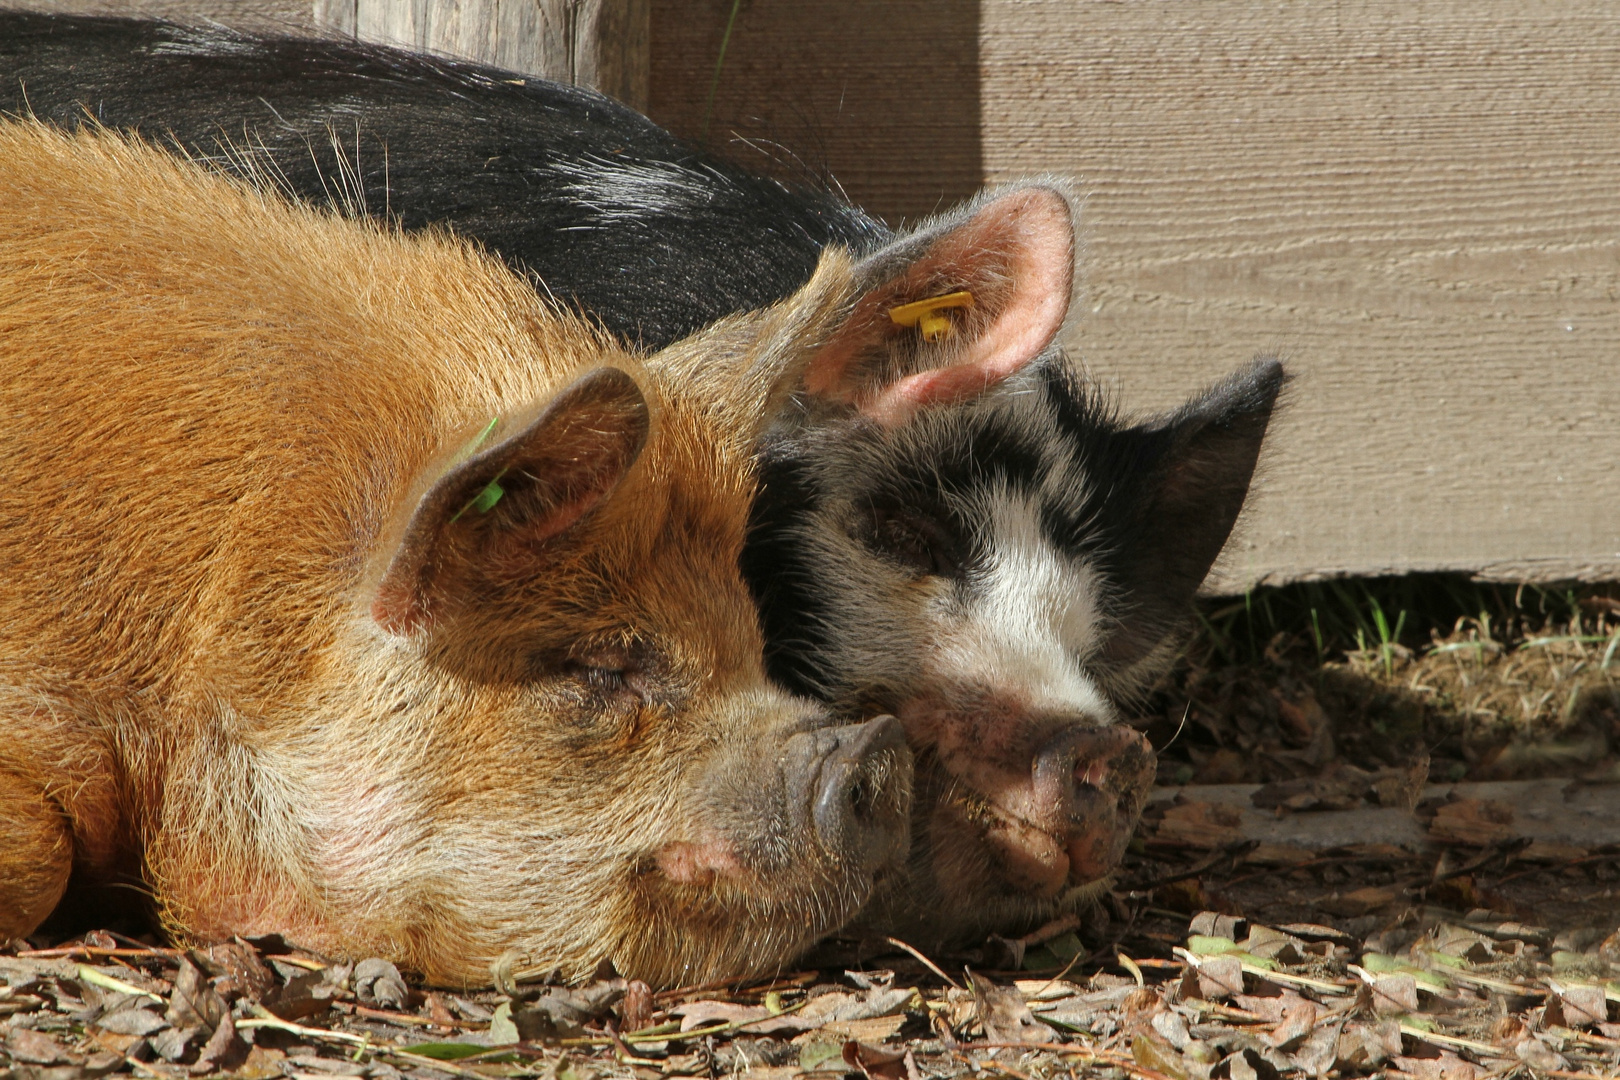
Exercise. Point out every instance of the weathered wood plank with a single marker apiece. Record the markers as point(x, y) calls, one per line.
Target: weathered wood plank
point(596, 43)
point(284, 16)
point(1417, 202)
point(883, 97)
point(1545, 811)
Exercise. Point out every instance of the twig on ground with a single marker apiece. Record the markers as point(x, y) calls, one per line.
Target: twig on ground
point(929, 964)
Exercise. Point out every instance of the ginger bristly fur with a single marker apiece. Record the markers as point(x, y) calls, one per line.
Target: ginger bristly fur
point(220, 410)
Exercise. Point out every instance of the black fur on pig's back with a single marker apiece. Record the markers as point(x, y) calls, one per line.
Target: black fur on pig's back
point(619, 217)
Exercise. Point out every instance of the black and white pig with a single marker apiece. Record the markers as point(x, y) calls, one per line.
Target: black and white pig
point(951, 526)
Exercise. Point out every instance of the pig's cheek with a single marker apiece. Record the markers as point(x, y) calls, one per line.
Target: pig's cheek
point(926, 719)
point(699, 864)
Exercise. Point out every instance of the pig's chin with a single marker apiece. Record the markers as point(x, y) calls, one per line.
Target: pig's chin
point(977, 869)
point(701, 913)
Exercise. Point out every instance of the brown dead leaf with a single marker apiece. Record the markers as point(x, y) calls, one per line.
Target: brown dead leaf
point(1246, 1064)
point(1220, 977)
point(1171, 1026)
point(195, 1003)
point(1298, 1021)
point(1359, 902)
point(1318, 1053)
point(1268, 1008)
point(439, 1010)
point(262, 1063)
point(379, 984)
point(1201, 825)
point(1153, 1053)
point(223, 1050)
point(247, 973)
point(1004, 1014)
point(1445, 1066)
point(842, 1008)
point(636, 1010)
point(172, 1043)
point(873, 1029)
point(37, 1048)
point(1538, 1055)
point(696, 1014)
point(873, 1062)
point(1583, 1006)
point(1218, 924)
point(1394, 993)
point(1403, 788)
point(1271, 944)
point(304, 995)
point(561, 1012)
point(131, 1018)
point(112, 1041)
point(1475, 822)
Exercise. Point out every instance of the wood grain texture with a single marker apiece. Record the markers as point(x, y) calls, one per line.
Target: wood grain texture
point(882, 96)
point(597, 43)
point(274, 16)
point(1417, 204)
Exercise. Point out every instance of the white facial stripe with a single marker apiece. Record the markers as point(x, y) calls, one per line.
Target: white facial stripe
point(1028, 616)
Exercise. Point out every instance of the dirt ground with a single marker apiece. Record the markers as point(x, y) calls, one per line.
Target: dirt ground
point(1472, 952)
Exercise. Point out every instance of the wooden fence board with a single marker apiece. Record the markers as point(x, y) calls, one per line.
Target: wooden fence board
point(1417, 203)
point(285, 16)
point(597, 43)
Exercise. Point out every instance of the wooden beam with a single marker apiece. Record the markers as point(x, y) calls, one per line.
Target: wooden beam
point(601, 44)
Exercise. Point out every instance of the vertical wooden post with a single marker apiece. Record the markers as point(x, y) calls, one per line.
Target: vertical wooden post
point(602, 44)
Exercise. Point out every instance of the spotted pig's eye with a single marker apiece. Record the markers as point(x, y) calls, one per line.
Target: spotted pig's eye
point(918, 541)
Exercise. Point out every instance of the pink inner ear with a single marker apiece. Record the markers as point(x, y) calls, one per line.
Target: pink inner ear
point(1034, 228)
point(1029, 235)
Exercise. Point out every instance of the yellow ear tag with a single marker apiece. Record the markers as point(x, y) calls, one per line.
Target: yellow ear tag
point(928, 316)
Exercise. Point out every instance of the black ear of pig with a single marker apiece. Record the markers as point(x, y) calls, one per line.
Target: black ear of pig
point(1200, 460)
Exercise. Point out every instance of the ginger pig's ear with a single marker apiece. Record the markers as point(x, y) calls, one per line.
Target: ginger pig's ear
point(503, 506)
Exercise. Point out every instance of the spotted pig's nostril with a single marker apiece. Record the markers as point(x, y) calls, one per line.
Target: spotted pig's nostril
point(1092, 773)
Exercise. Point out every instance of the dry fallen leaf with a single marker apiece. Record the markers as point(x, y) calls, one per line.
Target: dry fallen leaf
point(1583, 1006)
point(1475, 822)
point(378, 983)
point(1298, 1021)
point(194, 1003)
point(874, 1062)
point(37, 1048)
point(1005, 1015)
point(1220, 977)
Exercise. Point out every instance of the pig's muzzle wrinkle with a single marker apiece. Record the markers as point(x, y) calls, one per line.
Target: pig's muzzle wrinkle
point(845, 795)
point(858, 793)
